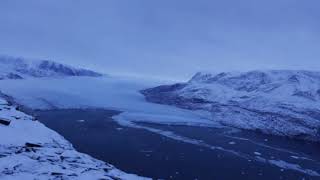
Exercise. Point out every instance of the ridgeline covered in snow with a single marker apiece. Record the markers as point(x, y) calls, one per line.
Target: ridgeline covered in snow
point(281, 102)
point(20, 68)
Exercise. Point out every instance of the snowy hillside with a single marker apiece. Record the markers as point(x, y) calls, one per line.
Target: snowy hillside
point(283, 103)
point(29, 150)
point(19, 68)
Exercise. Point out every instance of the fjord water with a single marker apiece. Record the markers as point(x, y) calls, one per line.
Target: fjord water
point(146, 153)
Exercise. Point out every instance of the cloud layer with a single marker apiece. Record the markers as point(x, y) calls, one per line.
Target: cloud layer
point(164, 38)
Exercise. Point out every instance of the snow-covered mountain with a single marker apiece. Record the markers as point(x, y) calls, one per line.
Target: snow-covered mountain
point(280, 102)
point(20, 68)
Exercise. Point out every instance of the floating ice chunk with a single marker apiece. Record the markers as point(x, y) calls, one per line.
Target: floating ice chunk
point(257, 153)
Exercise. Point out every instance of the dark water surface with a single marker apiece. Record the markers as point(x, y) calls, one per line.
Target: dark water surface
point(145, 153)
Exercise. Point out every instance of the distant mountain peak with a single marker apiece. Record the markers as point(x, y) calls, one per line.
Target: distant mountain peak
point(19, 68)
point(257, 74)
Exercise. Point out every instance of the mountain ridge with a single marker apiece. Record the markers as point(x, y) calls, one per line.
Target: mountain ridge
point(21, 68)
point(280, 102)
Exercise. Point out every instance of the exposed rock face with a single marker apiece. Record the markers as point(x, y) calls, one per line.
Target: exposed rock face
point(19, 68)
point(283, 103)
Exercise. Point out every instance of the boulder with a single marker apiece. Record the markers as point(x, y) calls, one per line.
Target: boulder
point(32, 145)
point(5, 122)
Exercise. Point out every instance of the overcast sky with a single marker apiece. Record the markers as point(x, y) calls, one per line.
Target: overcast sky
point(165, 38)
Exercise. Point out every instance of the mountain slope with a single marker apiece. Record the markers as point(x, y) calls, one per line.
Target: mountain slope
point(279, 102)
point(19, 68)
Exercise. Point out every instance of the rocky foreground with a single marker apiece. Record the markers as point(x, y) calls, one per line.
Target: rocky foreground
point(29, 150)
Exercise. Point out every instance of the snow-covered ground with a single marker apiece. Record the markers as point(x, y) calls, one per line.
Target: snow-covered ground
point(54, 158)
